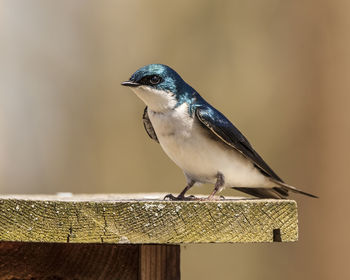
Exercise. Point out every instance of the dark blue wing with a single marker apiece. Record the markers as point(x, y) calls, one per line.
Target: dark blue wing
point(148, 126)
point(225, 131)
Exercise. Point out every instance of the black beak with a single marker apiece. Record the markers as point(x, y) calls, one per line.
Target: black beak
point(130, 84)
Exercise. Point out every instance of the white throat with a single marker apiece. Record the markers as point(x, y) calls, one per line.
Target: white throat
point(157, 100)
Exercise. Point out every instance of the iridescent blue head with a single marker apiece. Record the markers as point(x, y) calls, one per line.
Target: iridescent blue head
point(160, 87)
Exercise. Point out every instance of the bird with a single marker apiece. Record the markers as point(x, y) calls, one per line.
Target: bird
point(200, 139)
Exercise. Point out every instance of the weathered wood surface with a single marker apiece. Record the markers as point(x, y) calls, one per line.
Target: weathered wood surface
point(58, 261)
point(138, 219)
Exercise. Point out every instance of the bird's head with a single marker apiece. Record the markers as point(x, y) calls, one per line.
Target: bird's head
point(159, 86)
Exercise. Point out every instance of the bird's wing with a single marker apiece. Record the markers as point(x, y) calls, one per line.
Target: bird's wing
point(226, 132)
point(148, 126)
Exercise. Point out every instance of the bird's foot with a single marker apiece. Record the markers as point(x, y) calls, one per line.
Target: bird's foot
point(171, 197)
point(213, 198)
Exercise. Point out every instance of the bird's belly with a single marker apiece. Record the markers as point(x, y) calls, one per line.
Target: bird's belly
point(188, 153)
point(201, 157)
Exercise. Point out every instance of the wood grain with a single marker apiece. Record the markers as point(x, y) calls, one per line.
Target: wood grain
point(62, 261)
point(139, 219)
point(159, 262)
point(54, 261)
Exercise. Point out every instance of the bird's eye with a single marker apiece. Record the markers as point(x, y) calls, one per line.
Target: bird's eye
point(154, 80)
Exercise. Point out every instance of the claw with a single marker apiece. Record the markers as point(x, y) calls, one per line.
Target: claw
point(171, 197)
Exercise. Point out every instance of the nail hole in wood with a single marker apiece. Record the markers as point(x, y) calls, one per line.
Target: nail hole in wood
point(277, 235)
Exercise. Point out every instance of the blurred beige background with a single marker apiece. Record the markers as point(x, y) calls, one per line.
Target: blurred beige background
point(278, 69)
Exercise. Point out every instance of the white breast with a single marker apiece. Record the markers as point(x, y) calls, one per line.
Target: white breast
point(186, 142)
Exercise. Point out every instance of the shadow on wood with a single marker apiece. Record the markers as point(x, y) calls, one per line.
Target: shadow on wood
point(54, 261)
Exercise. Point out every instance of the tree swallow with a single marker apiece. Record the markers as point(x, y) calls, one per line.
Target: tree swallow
point(200, 139)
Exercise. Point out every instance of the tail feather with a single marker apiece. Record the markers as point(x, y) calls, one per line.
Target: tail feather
point(292, 189)
point(277, 193)
point(280, 192)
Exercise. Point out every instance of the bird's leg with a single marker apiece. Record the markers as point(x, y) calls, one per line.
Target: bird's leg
point(188, 186)
point(181, 196)
point(219, 185)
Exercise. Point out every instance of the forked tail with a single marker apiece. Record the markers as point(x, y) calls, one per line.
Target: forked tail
point(280, 192)
point(291, 188)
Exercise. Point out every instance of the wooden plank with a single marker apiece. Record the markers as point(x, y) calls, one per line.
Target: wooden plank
point(159, 262)
point(25, 260)
point(137, 219)
point(43, 261)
